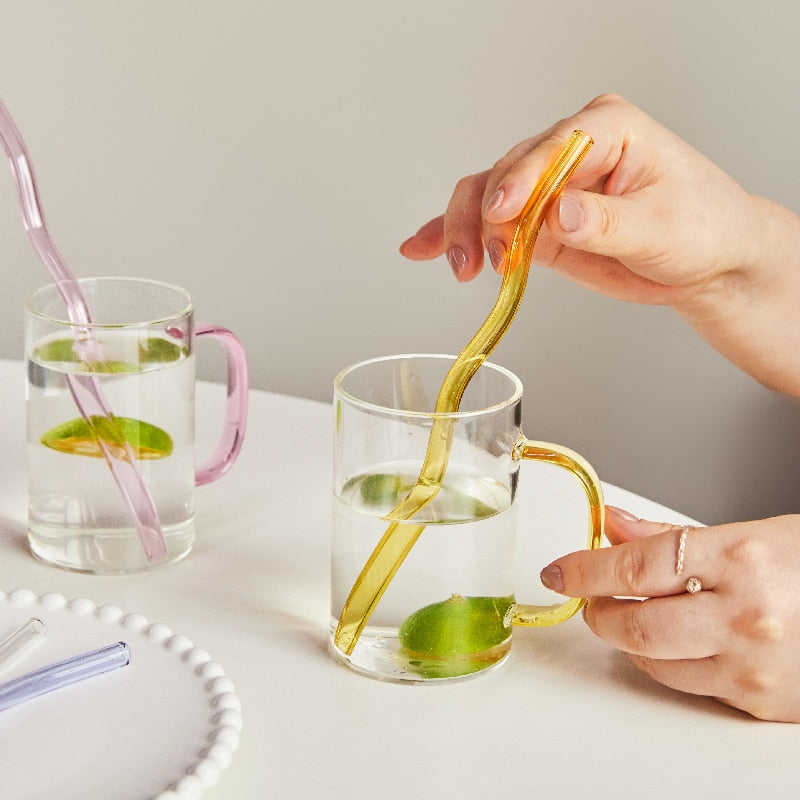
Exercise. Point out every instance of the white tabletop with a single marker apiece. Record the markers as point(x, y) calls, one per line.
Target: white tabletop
point(564, 717)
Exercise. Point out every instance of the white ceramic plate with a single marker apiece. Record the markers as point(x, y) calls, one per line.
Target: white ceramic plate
point(161, 728)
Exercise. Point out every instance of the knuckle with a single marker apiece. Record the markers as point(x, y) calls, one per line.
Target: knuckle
point(754, 681)
point(749, 553)
point(637, 632)
point(760, 626)
point(466, 186)
point(609, 221)
point(630, 570)
point(605, 99)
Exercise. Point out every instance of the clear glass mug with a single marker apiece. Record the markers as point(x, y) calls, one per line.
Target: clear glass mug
point(145, 334)
point(449, 610)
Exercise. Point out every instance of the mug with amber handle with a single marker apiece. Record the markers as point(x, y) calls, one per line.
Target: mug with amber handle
point(450, 608)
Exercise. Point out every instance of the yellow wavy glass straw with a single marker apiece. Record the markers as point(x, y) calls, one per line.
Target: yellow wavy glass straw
point(398, 539)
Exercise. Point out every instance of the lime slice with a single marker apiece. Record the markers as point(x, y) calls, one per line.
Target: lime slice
point(79, 438)
point(151, 350)
point(457, 627)
point(154, 349)
point(464, 506)
point(382, 489)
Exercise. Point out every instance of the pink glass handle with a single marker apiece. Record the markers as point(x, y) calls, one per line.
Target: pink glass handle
point(230, 442)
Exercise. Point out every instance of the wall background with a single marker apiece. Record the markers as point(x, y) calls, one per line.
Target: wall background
point(271, 157)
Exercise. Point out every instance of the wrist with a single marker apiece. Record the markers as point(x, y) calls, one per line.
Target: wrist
point(747, 311)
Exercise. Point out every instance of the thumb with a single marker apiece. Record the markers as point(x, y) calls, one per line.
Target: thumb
point(607, 225)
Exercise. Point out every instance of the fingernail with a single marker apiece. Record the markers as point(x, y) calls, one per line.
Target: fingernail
point(495, 201)
point(621, 513)
point(497, 254)
point(552, 578)
point(570, 215)
point(458, 260)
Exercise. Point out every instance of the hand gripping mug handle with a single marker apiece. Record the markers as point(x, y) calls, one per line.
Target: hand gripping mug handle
point(541, 616)
point(230, 442)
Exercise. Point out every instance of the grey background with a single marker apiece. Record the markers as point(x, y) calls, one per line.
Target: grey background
point(270, 157)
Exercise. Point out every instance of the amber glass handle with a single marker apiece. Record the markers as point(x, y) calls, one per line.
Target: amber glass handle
point(541, 616)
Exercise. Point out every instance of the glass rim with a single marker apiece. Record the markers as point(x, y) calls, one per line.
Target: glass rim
point(182, 310)
point(367, 405)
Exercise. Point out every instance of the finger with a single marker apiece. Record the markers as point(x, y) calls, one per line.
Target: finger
point(640, 568)
point(676, 627)
point(632, 229)
point(515, 175)
point(701, 676)
point(463, 238)
point(603, 274)
point(427, 242)
point(622, 526)
point(756, 692)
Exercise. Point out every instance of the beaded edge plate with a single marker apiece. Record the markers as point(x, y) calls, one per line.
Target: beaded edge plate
point(162, 728)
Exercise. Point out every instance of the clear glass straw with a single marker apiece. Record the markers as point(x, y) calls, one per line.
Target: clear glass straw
point(399, 538)
point(21, 640)
point(85, 389)
point(63, 673)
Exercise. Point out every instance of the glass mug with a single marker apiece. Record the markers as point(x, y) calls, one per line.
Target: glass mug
point(144, 332)
point(449, 609)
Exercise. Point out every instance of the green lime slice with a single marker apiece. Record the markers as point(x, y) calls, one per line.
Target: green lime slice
point(386, 489)
point(154, 350)
point(78, 437)
point(457, 627)
point(382, 489)
point(151, 350)
point(463, 506)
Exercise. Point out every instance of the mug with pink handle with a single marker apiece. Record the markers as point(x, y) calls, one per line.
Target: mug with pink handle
point(143, 336)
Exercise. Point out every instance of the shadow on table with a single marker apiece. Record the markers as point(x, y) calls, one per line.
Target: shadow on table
point(570, 652)
point(12, 535)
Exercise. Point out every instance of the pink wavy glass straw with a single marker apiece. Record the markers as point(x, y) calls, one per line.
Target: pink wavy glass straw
point(85, 389)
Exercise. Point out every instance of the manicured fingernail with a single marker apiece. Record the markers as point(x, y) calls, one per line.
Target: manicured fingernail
point(495, 201)
point(458, 259)
point(497, 254)
point(570, 215)
point(621, 513)
point(552, 578)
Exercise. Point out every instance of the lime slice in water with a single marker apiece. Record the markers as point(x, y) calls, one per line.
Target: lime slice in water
point(77, 437)
point(150, 350)
point(457, 627)
point(383, 488)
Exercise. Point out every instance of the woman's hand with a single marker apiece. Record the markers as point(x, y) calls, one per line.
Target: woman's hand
point(647, 219)
point(737, 639)
point(644, 214)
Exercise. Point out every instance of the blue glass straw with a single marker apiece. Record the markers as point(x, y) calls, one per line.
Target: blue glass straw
point(63, 673)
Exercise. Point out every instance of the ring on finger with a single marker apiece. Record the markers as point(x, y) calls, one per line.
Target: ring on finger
point(693, 584)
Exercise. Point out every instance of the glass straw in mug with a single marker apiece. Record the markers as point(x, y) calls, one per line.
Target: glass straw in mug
point(85, 389)
point(397, 541)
